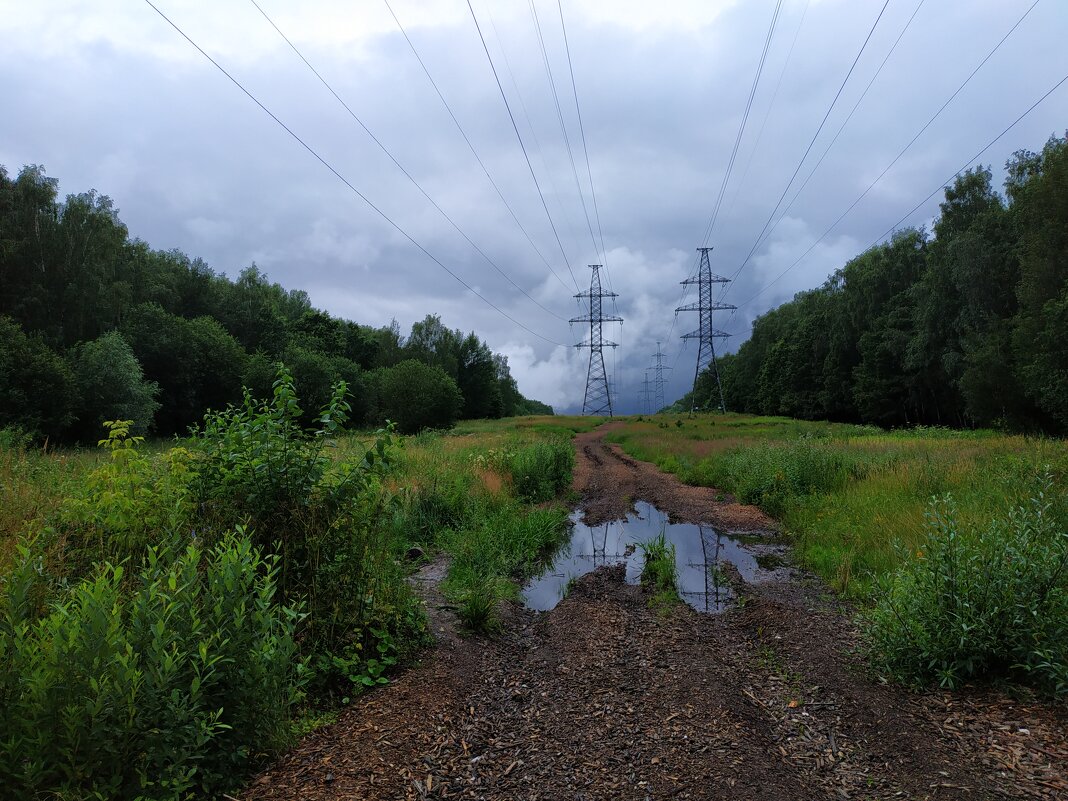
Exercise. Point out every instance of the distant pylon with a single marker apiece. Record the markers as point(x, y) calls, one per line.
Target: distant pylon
point(658, 381)
point(705, 333)
point(645, 396)
point(598, 398)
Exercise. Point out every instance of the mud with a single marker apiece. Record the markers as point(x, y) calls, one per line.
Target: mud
point(607, 697)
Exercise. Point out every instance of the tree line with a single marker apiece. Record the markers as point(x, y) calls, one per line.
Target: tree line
point(963, 327)
point(97, 326)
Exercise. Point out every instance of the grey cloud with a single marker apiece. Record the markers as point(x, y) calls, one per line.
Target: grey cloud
point(193, 164)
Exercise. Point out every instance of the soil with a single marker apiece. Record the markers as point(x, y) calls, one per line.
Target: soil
point(610, 697)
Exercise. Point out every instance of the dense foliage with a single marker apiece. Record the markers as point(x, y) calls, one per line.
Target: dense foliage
point(980, 602)
point(164, 689)
point(96, 326)
point(963, 328)
point(171, 616)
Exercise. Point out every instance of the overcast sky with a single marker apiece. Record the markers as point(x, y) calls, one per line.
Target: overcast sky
point(106, 95)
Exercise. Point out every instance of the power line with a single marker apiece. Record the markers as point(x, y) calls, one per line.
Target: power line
point(771, 105)
point(734, 153)
point(471, 146)
point(849, 116)
point(563, 127)
point(400, 166)
point(906, 148)
point(582, 132)
point(934, 117)
point(537, 148)
point(741, 128)
point(812, 142)
point(519, 136)
point(915, 208)
point(344, 180)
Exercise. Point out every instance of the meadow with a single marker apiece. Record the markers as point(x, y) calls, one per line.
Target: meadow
point(952, 544)
point(852, 499)
point(172, 613)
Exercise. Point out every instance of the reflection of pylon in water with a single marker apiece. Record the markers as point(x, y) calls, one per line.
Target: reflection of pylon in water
point(598, 554)
point(715, 593)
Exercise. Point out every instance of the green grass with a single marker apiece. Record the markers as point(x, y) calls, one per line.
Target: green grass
point(848, 495)
point(483, 493)
point(658, 570)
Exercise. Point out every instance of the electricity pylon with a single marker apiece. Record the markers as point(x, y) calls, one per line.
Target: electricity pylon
point(705, 333)
point(658, 381)
point(598, 398)
point(645, 396)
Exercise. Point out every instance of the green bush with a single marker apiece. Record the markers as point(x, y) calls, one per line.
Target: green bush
point(129, 502)
point(502, 540)
point(417, 396)
point(166, 689)
point(979, 602)
point(542, 470)
point(111, 386)
point(324, 517)
point(36, 385)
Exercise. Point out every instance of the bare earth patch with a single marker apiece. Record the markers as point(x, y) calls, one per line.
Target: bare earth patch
point(606, 698)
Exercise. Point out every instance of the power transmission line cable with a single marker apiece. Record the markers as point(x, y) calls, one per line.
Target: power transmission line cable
point(563, 128)
point(471, 146)
point(741, 128)
point(582, 132)
point(937, 113)
point(771, 105)
point(538, 151)
point(522, 146)
point(812, 142)
point(586, 154)
point(915, 208)
point(734, 152)
point(845, 122)
point(904, 150)
point(400, 166)
point(344, 180)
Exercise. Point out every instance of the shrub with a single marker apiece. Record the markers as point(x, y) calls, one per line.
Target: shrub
point(324, 517)
point(36, 385)
point(658, 569)
point(501, 541)
point(979, 602)
point(417, 396)
point(774, 476)
point(111, 386)
point(129, 502)
point(166, 691)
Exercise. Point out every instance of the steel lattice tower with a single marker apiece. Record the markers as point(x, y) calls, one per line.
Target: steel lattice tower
point(705, 333)
point(645, 396)
point(659, 381)
point(598, 398)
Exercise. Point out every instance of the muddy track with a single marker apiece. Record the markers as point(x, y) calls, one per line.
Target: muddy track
point(606, 698)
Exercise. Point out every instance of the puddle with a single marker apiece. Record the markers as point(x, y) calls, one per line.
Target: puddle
point(700, 553)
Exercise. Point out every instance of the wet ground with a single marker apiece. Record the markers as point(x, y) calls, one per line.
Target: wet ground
point(708, 561)
point(607, 697)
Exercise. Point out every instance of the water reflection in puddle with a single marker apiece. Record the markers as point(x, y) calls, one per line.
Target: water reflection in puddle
point(700, 552)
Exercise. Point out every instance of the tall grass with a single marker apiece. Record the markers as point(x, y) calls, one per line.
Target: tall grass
point(481, 495)
point(847, 495)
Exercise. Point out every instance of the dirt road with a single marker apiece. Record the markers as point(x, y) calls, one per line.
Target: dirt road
point(605, 697)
